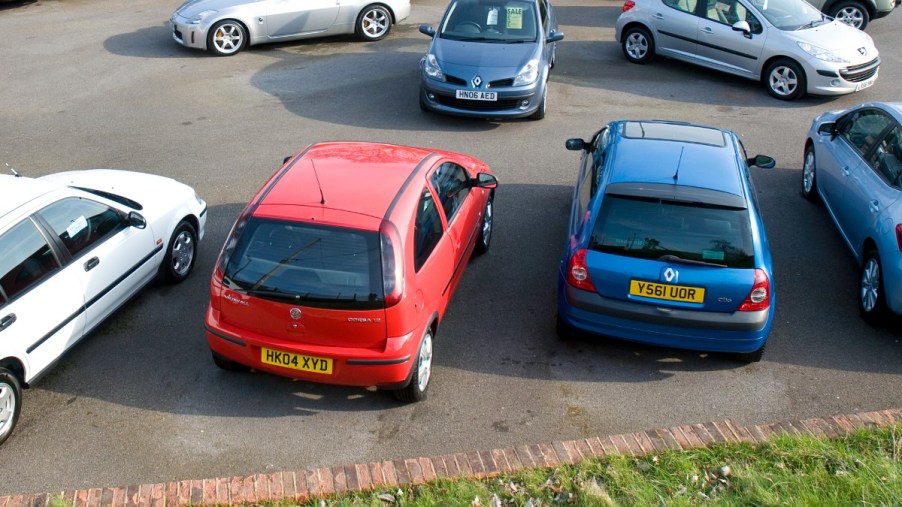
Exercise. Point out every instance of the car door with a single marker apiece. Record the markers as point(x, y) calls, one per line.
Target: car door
point(724, 48)
point(433, 254)
point(286, 18)
point(676, 27)
point(461, 211)
point(41, 302)
point(114, 260)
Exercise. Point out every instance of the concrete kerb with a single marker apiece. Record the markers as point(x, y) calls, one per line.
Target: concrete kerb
point(319, 482)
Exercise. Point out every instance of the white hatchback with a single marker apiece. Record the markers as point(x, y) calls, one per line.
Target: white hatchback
point(74, 246)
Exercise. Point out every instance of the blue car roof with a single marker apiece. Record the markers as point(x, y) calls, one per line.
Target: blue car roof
point(675, 153)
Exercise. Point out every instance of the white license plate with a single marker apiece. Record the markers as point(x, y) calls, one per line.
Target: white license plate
point(477, 95)
point(864, 84)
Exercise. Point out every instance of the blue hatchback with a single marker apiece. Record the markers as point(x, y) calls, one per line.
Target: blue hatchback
point(665, 242)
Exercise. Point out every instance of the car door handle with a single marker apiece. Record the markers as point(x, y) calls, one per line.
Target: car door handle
point(7, 321)
point(92, 263)
point(658, 15)
point(846, 170)
point(707, 29)
point(874, 206)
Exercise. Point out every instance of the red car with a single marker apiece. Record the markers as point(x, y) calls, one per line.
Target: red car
point(341, 267)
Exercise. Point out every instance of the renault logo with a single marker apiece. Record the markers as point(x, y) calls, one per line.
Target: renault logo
point(295, 313)
point(477, 81)
point(671, 275)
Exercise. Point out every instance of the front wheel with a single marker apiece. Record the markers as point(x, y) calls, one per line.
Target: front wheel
point(809, 184)
point(373, 23)
point(851, 13)
point(181, 253)
point(785, 79)
point(485, 235)
point(637, 45)
point(871, 296)
point(422, 373)
point(10, 403)
point(540, 112)
point(226, 38)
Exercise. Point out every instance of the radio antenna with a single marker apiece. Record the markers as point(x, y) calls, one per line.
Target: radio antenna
point(11, 168)
point(676, 175)
point(321, 196)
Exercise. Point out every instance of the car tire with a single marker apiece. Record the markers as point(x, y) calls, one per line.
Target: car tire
point(416, 390)
point(809, 181)
point(540, 112)
point(564, 331)
point(638, 46)
point(785, 79)
point(871, 296)
point(423, 106)
point(751, 357)
point(851, 13)
point(373, 23)
point(10, 403)
point(228, 364)
point(486, 227)
point(226, 37)
point(181, 253)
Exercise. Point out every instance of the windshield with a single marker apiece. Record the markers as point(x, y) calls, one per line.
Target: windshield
point(790, 14)
point(313, 265)
point(494, 21)
point(673, 232)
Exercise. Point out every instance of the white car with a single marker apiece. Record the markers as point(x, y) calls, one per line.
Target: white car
point(74, 246)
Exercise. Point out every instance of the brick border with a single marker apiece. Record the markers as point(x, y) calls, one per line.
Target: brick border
point(319, 482)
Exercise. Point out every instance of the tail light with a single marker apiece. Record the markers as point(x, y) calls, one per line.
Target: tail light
point(392, 264)
point(899, 236)
point(629, 4)
point(578, 273)
point(759, 296)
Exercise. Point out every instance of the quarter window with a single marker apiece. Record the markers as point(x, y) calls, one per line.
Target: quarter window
point(427, 230)
point(452, 186)
point(27, 259)
point(80, 223)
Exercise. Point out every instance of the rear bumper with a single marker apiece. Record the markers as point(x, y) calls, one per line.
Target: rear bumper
point(684, 329)
point(384, 368)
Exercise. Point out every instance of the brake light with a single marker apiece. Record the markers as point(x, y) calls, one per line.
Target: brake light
point(899, 236)
point(392, 264)
point(629, 4)
point(578, 273)
point(759, 296)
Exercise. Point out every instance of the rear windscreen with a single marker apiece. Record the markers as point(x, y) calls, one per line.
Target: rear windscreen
point(652, 228)
point(312, 265)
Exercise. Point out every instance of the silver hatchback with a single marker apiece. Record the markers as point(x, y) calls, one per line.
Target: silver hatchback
point(789, 45)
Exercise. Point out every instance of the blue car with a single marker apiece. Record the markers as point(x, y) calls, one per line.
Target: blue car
point(665, 243)
point(490, 59)
point(853, 163)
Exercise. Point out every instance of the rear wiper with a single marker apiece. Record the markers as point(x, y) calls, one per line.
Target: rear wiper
point(680, 260)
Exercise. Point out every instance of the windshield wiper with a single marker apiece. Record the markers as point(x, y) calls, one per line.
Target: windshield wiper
point(680, 260)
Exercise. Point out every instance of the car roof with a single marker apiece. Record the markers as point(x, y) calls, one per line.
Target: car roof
point(674, 153)
point(16, 191)
point(356, 177)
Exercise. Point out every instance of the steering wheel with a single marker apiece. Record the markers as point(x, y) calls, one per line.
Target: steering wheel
point(468, 27)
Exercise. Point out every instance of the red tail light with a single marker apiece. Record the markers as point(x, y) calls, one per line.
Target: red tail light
point(759, 296)
point(899, 236)
point(392, 264)
point(578, 273)
point(629, 4)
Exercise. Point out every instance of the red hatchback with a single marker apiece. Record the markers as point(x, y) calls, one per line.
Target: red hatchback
point(341, 267)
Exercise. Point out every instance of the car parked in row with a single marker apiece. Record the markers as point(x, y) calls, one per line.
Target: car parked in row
point(853, 163)
point(856, 13)
point(490, 59)
point(788, 45)
point(225, 27)
point(665, 243)
point(74, 247)
point(341, 267)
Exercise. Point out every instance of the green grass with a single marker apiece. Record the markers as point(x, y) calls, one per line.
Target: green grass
point(864, 468)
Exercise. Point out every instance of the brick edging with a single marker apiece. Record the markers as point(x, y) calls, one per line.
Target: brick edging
point(318, 482)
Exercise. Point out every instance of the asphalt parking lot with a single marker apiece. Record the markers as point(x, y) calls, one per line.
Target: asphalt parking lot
point(100, 83)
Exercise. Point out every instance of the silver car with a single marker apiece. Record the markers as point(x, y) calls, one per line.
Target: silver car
point(857, 13)
point(789, 45)
point(225, 27)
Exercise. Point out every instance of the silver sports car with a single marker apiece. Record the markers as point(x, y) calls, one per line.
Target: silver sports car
point(225, 27)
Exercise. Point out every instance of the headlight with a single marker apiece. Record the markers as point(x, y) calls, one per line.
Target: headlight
point(431, 68)
point(821, 54)
point(200, 16)
point(528, 75)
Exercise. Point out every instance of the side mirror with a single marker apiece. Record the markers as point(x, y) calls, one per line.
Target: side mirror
point(576, 144)
point(136, 220)
point(554, 37)
point(762, 161)
point(828, 128)
point(484, 180)
point(286, 159)
point(743, 26)
point(427, 30)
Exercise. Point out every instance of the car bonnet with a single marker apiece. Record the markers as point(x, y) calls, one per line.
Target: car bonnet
point(484, 57)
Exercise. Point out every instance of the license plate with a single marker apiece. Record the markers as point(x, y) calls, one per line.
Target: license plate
point(667, 292)
point(296, 361)
point(864, 84)
point(477, 95)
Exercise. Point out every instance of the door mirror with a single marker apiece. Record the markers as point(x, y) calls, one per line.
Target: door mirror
point(136, 220)
point(762, 161)
point(576, 144)
point(484, 180)
point(554, 37)
point(827, 128)
point(427, 30)
point(743, 26)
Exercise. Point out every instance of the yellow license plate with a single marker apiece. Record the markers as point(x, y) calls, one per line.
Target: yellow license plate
point(668, 292)
point(296, 361)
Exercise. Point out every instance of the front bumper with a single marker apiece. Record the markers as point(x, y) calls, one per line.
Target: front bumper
point(512, 102)
point(832, 79)
point(188, 35)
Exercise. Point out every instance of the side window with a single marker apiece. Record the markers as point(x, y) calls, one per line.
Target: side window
point(887, 157)
point(738, 12)
point(27, 259)
point(80, 223)
point(863, 128)
point(682, 5)
point(586, 188)
point(452, 187)
point(600, 151)
point(543, 14)
point(427, 229)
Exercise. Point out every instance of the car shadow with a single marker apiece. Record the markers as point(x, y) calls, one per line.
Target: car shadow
point(15, 4)
point(588, 16)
